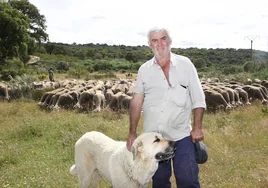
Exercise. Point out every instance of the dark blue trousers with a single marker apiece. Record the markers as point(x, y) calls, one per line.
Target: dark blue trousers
point(185, 167)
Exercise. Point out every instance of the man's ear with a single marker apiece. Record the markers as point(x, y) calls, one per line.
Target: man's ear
point(136, 149)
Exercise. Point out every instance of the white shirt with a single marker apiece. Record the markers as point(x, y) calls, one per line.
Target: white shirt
point(167, 109)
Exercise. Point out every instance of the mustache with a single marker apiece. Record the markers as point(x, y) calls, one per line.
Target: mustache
point(156, 53)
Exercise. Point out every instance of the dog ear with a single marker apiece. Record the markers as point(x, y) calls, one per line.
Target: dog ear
point(136, 149)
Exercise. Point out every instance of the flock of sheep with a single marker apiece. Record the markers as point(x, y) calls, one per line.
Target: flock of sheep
point(96, 95)
point(92, 95)
point(229, 95)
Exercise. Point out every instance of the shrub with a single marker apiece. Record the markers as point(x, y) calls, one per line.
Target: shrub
point(77, 71)
point(232, 69)
point(249, 66)
point(12, 67)
point(42, 76)
point(263, 74)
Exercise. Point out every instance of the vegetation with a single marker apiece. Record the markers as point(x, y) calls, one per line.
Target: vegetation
point(21, 28)
point(209, 62)
point(23, 33)
point(37, 24)
point(206, 65)
point(37, 146)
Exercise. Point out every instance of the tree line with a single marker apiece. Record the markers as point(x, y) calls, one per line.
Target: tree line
point(23, 33)
point(129, 58)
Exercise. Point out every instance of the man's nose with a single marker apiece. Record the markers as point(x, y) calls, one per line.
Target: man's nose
point(159, 42)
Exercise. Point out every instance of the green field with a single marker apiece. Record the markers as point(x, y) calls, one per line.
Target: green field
point(36, 146)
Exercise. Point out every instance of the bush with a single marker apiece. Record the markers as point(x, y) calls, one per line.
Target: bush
point(263, 74)
point(77, 71)
point(90, 69)
point(249, 66)
point(42, 76)
point(63, 66)
point(12, 68)
point(232, 69)
point(7, 74)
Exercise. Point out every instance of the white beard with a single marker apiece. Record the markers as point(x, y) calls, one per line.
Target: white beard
point(163, 54)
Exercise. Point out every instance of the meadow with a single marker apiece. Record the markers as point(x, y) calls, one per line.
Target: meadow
point(37, 146)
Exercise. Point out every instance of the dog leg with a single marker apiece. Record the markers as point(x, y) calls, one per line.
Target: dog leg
point(85, 167)
point(85, 173)
point(96, 180)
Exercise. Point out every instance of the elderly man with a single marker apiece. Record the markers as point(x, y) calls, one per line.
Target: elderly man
point(168, 89)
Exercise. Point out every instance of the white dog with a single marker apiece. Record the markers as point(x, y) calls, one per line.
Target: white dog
point(100, 156)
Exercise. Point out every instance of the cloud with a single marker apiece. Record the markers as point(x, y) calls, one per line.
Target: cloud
point(192, 23)
point(98, 17)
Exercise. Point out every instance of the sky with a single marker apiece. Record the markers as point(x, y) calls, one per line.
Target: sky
point(192, 23)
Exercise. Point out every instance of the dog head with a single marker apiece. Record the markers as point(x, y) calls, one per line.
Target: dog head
point(153, 146)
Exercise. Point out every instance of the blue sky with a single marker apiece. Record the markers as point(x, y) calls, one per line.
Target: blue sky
point(192, 23)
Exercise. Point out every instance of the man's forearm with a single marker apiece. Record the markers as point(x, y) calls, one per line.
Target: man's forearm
point(198, 117)
point(135, 112)
point(134, 118)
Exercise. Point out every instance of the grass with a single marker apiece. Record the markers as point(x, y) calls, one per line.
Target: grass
point(36, 146)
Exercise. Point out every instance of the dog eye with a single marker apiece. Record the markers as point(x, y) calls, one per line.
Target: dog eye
point(157, 140)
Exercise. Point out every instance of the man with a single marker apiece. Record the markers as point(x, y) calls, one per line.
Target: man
point(51, 75)
point(168, 89)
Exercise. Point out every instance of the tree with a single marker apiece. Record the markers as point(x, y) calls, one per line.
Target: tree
point(199, 62)
point(131, 56)
point(37, 21)
point(14, 38)
point(90, 52)
point(50, 47)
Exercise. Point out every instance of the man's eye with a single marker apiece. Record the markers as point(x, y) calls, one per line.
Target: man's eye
point(154, 40)
point(164, 38)
point(157, 140)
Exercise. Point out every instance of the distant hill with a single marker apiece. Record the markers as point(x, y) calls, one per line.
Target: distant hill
point(199, 56)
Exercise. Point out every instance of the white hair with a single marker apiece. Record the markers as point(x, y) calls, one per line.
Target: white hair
point(158, 29)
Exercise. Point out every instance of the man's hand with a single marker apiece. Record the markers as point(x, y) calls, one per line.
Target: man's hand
point(130, 140)
point(197, 134)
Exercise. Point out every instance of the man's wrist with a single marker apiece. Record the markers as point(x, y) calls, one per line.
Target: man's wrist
point(132, 132)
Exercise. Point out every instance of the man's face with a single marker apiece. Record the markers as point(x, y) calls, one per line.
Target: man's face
point(160, 43)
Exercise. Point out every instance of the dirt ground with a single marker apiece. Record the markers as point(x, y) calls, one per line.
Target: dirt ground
point(123, 76)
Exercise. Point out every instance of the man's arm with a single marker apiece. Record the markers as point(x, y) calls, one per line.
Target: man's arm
point(134, 117)
point(197, 132)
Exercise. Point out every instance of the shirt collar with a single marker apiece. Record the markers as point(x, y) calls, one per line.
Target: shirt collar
point(153, 61)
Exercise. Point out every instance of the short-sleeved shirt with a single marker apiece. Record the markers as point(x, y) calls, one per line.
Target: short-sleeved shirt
point(167, 108)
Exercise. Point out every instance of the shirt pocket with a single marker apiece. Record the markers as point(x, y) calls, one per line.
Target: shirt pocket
point(179, 117)
point(179, 95)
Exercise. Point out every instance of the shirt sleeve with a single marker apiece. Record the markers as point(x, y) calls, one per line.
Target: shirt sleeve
point(139, 88)
point(196, 90)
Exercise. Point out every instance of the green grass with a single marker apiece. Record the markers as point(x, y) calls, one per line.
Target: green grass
point(36, 146)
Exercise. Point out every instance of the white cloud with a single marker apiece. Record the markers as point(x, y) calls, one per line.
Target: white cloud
point(193, 23)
